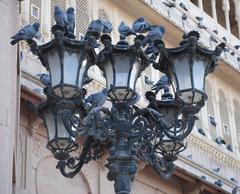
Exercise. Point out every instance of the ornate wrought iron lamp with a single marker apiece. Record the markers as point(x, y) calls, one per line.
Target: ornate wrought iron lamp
point(67, 61)
point(122, 64)
point(154, 134)
point(60, 141)
point(187, 66)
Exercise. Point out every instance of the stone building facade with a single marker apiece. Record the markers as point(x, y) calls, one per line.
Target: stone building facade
point(9, 101)
point(27, 167)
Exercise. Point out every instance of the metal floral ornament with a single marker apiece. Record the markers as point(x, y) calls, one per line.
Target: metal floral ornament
point(155, 134)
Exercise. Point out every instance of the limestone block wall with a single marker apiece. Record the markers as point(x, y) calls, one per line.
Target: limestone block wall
point(8, 95)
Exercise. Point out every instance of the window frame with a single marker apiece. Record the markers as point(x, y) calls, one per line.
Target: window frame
point(38, 11)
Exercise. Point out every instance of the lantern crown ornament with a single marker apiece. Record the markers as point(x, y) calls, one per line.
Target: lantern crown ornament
point(154, 134)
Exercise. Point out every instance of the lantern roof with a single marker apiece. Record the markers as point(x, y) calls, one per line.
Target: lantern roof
point(67, 42)
point(62, 41)
point(191, 45)
point(124, 48)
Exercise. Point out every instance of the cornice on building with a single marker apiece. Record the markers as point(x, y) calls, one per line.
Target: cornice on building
point(227, 161)
point(174, 16)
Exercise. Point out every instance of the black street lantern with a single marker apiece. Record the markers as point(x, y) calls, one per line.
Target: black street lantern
point(60, 141)
point(67, 61)
point(154, 134)
point(122, 64)
point(169, 149)
point(188, 65)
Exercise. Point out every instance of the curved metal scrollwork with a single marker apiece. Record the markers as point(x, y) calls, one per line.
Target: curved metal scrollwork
point(71, 165)
point(154, 136)
point(162, 167)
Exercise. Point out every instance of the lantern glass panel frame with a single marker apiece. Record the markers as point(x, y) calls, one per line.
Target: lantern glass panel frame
point(67, 65)
point(188, 71)
point(121, 70)
point(60, 141)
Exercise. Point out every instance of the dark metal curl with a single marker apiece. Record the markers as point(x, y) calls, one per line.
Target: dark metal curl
point(70, 163)
point(187, 123)
point(162, 167)
point(139, 125)
point(71, 121)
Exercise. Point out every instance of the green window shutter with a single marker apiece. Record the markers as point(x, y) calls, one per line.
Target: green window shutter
point(82, 17)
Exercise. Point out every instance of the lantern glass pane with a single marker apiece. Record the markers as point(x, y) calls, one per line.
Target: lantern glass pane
point(71, 64)
point(197, 97)
point(167, 144)
point(131, 95)
point(55, 67)
point(170, 145)
point(50, 124)
point(109, 74)
point(120, 93)
point(134, 74)
point(122, 67)
point(58, 92)
point(199, 68)
point(63, 134)
point(82, 72)
point(182, 70)
point(68, 91)
point(188, 96)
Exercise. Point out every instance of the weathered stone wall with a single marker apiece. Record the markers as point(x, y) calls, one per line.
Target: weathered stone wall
point(8, 91)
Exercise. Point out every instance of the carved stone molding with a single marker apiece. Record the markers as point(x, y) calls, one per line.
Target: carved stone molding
point(176, 21)
point(33, 123)
point(227, 159)
point(39, 146)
